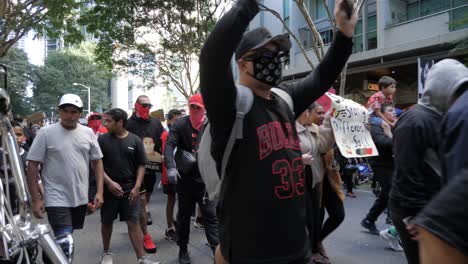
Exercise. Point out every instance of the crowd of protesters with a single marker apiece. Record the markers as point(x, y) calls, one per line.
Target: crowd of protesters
point(282, 194)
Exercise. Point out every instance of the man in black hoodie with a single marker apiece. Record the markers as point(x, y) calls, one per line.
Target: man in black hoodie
point(262, 204)
point(184, 136)
point(418, 174)
point(149, 129)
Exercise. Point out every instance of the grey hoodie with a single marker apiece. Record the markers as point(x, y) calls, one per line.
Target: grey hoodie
point(443, 80)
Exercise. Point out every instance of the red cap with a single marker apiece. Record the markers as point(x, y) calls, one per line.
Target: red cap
point(197, 100)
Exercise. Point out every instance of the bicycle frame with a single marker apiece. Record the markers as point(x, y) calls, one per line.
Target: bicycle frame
point(17, 231)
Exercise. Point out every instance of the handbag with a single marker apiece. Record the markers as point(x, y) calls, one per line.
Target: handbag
point(185, 161)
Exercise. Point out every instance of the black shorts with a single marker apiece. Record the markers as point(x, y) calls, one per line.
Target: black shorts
point(169, 188)
point(61, 218)
point(114, 207)
point(149, 181)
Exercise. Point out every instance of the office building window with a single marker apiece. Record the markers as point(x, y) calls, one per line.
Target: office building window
point(286, 18)
point(320, 10)
point(372, 32)
point(358, 45)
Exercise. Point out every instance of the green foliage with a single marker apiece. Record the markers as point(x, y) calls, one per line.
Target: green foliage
point(19, 76)
point(51, 17)
point(141, 35)
point(62, 69)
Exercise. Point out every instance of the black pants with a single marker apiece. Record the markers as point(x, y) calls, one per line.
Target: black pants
point(335, 209)
point(384, 176)
point(409, 245)
point(348, 179)
point(189, 193)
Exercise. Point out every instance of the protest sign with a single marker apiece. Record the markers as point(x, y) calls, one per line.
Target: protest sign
point(349, 121)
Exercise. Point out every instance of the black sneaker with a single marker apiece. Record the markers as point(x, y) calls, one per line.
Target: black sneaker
point(370, 226)
point(184, 257)
point(171, 234)
point(149, 220)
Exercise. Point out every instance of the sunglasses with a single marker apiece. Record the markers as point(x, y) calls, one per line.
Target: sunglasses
point(268, 54)
point(147, 105)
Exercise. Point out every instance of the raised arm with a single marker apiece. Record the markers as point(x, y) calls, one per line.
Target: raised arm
point(304, 92)
point(216, 80)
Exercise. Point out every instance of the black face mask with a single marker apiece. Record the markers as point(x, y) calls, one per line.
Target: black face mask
point(268, 66)
point(268, 70)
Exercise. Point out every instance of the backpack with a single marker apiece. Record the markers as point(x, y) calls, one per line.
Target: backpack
point(206, 162)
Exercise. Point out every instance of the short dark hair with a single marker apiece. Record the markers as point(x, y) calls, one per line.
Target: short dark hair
point(118, 114)
point(17, 124)
point(385, 106)
point(141, 96)
point(67, 105)
point(173, 113)
point(386, 81)
point(313, 106)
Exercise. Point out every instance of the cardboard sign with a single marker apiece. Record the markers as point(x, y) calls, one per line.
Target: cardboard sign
point(349, 121)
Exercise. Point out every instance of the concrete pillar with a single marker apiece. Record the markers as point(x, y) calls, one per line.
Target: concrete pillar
point(383, 11)
point(119, 92)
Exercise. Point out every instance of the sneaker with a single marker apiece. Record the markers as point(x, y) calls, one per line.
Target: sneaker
point(149, 220)
point(146, 260)
point(184, 257)
point(148, 244)
point(370, 226)
point(198, 225)
point(106, 258)
point(392, 240)
point(171, 234)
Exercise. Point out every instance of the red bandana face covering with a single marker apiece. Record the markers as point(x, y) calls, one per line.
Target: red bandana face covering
point(94, 125)
point(142, 112)
point(197, 116)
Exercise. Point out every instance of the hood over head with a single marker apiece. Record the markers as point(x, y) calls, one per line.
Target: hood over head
point(443, 80)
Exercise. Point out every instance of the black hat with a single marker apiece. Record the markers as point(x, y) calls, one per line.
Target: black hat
point(258, 38)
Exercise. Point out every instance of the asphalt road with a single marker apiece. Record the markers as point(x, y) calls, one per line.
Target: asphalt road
point(350, 244)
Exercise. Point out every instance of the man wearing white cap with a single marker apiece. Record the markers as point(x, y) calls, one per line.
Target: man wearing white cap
point(64, 151)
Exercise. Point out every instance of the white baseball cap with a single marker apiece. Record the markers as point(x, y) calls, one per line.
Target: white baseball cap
point(71, 99)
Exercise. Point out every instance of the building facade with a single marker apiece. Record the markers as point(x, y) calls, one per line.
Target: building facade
point(390, 37)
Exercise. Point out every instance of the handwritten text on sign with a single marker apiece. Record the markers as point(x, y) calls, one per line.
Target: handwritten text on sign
point(349, 126)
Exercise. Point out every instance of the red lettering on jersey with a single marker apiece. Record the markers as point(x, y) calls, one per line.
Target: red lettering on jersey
point(277, 135)
point(264, 141)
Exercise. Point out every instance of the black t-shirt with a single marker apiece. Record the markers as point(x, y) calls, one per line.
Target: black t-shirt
point(122, 157)
point(262, 204)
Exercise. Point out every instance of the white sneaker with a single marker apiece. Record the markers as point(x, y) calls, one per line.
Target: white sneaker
point(146, 260)
point(106, 258)
point(392, 240)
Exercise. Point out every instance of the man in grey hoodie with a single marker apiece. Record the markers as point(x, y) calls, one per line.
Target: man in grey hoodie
point(416, 142)
point(442, 224)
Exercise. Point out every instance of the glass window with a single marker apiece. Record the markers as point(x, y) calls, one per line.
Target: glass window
point(358, 28)
point(372, 40)
point(433, 6)
point(357, 47)
point(327, 36)
point(412, 10)
point(457, 3)
point(286, 12)
point(320, 10)
point(372, 23)
point(460, 18)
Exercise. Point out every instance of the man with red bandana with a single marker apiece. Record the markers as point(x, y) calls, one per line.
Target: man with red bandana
point(94, 122)
point(149, 129)
point(184, 136)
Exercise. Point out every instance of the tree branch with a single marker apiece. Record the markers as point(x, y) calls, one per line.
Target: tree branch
point(299, 44)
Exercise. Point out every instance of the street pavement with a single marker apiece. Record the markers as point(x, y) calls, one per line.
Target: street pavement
point(350, 244)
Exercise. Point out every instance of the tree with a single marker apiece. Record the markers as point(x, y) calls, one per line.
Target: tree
point(62, 69)
point(165, 36)
point(19, 76)
point(317, 40)
point(18, 17)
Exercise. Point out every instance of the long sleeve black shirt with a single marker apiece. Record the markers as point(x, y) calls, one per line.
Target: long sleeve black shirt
point(262, 206)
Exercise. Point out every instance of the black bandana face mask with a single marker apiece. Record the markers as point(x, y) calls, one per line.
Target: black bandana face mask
point(268, 67)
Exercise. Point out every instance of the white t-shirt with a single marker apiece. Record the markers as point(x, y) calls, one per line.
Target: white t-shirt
point(65, 156)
